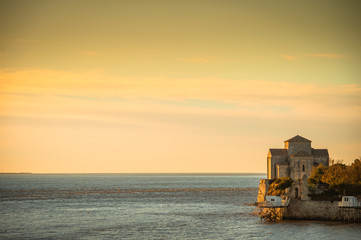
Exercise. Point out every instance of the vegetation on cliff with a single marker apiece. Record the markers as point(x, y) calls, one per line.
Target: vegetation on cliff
point(340, 179)
point(277, 188)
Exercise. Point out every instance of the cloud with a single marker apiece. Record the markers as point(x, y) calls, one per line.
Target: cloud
point(288, 57)
point(321, 55)
point(88, 53)
point(98, 83)
point(31, 88)
point(29, 40)
point(327, 55)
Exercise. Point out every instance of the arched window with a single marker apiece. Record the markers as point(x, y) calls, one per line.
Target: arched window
point(303, 168)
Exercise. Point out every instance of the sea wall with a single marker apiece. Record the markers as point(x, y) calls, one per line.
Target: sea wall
point(311, 210)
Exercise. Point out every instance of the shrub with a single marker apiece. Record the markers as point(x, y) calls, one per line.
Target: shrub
point(277, 188)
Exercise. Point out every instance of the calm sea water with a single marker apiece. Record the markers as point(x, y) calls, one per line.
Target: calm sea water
point(118, 206)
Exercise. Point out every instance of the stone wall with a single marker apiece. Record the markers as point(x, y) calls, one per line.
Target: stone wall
point(269, 166)
point(311, 210)
point(300, 166)
point(282, 171)
point(321, 160)
point(294, 147)
point(272, 166)
point(298, 190)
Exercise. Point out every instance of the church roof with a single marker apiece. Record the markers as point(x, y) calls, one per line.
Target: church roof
point(284, 163)
point(301, 153)
point(298, 138)
point(278, 152)
point(320, 152)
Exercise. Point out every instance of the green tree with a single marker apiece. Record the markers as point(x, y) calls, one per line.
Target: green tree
point(316, 175)
point(342, 179)
point(355, 172)
point(335, 175)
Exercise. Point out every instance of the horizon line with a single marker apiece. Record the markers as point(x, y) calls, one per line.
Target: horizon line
point(145, 173)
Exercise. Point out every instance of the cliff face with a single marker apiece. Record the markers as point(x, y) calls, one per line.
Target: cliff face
point(262, 190)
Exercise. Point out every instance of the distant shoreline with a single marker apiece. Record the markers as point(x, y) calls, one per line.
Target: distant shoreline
point(16, 173)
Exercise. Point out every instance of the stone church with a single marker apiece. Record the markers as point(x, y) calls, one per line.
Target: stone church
point(295, 160)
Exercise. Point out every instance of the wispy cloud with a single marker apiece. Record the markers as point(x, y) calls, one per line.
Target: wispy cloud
point(288, 57)
point(234, 97)
point(29, 40)
point(327, 55)
point(88, 53)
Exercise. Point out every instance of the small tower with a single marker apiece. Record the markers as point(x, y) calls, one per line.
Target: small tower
point(296, 144)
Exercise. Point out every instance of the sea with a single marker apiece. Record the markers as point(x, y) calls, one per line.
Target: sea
point(146, 206)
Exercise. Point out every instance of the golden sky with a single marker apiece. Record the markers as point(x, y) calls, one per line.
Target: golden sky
point(175, 86)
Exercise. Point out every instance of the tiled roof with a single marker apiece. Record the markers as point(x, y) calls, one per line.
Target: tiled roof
point(278, 152)
point(298, 138)
point(301, 153)
point(320, 152)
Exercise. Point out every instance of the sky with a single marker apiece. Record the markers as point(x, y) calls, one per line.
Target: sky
point(171, 86)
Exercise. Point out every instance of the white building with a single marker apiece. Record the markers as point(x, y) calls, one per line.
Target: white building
point(349, 201)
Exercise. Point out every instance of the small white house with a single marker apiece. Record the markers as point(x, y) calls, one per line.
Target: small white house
point(349, 201)
point(274, 200)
